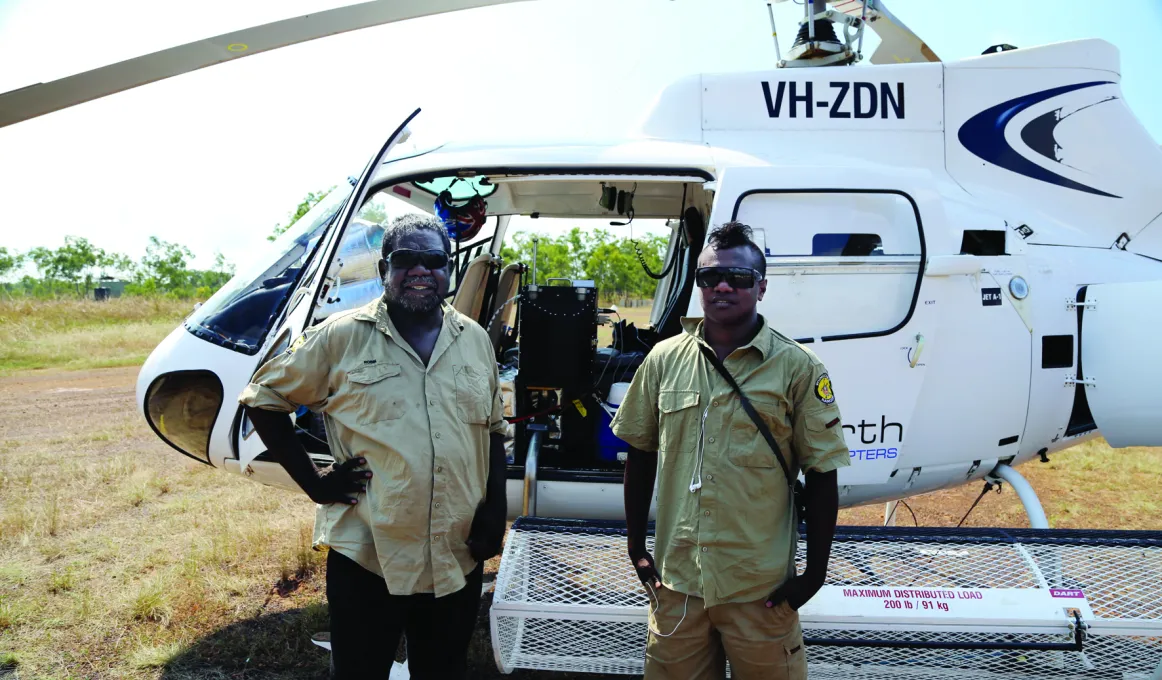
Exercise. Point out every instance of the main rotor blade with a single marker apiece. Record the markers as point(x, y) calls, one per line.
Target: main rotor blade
point(37, 100)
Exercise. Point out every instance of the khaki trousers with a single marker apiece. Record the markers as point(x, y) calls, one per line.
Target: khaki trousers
point(759, 642)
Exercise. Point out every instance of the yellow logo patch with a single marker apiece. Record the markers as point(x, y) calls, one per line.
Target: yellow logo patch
point(297, 343)
point(823, 389)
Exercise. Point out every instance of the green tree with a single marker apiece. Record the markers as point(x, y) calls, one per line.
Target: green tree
point(77, 262)
point(560, 257)
point(164, 266)
point(373, 211)
point(301, 209)
point(610, 262)
point(9, 261)
point(116, 264)
point(209, 281)
point(610, 267)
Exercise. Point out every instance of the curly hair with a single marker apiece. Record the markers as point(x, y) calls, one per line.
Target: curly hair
point(411, 223)
point(738, 235)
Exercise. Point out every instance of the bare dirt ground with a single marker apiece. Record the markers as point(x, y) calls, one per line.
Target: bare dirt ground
point(120, 558)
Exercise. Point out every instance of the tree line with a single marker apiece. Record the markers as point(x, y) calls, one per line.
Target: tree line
point(78, 266)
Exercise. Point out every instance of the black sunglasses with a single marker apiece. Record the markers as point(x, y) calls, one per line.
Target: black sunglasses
point(406, 258)
point(735, 277)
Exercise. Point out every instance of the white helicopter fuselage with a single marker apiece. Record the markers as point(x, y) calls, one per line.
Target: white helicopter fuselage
point(928, 229)
point(973, 248)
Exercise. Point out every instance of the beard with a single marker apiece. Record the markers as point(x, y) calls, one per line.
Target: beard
point(400, 298)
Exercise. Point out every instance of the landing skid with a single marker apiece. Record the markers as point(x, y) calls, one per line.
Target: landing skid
point(1001, 473)
point(1025, 492)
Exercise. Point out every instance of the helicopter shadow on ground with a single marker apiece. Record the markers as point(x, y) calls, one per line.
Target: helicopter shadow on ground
point(279, 646)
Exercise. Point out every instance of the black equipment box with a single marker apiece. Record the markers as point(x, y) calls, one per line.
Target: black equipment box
point(558, 336)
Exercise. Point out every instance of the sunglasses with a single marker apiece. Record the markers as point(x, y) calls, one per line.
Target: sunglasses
point(406, 258)
point(735, 277)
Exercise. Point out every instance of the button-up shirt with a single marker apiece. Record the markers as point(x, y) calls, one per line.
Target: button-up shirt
point(732, 538)
point(423, 430)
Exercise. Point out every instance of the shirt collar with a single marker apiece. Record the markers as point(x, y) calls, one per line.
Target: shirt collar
point(376, 313)
point(761, 342)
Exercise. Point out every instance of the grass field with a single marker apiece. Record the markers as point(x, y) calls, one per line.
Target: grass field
point(120, 558)
point(77, 334)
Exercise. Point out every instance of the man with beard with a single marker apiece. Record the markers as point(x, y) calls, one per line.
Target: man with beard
point(724, 585)
point(414, 502)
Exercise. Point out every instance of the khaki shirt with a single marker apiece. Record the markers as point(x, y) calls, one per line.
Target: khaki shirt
point(732, 540)
point(423, 431)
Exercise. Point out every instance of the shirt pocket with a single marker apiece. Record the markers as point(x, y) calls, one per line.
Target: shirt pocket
point(678, 426)
point(748, 446)
point(473, 402)
point(377, 393)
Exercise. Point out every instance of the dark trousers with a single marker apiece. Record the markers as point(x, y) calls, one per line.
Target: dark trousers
point(366, 623)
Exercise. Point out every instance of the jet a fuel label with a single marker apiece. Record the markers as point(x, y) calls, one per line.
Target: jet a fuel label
point(838, 99)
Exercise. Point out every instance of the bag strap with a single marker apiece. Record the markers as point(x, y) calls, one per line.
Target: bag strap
point(746, 405)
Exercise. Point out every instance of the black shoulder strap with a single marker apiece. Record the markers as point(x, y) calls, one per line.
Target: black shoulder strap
point(746, 405)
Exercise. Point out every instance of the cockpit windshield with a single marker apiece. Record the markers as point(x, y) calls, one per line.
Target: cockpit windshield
point(240, 315)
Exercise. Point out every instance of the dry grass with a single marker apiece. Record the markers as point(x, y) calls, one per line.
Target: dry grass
point(1089, 486)
point(78, 334)
point(120, 558)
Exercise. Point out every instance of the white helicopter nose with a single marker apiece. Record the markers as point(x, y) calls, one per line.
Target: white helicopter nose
point(187, 391)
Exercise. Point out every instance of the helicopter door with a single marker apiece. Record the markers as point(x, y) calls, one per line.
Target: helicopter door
point(844, 259)
point(1119, 365)
point(319, 291)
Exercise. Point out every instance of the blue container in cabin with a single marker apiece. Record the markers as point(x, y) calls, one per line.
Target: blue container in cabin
point(609, 447)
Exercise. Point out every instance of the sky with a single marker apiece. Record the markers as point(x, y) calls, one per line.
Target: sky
point(215, 158)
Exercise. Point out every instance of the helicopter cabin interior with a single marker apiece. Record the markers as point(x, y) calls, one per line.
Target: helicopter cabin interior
point(859, 253)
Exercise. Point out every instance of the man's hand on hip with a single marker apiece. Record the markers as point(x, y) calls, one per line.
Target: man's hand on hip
point(339, 483)
point(486, 537)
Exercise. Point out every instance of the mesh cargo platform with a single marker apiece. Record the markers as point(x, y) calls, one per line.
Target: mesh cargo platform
point(899, 603)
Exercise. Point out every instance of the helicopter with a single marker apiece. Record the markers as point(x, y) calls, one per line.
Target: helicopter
point(972, 247)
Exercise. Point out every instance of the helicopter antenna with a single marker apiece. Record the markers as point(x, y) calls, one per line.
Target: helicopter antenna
point(775, 35)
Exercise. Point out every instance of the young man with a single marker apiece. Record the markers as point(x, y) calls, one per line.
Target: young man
point(724, 584)
point(415, 500)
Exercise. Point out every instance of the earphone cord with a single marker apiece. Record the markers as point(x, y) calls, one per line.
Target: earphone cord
point(659, 606)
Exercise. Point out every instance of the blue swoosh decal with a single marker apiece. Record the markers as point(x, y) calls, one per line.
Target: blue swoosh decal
point(984, 136)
